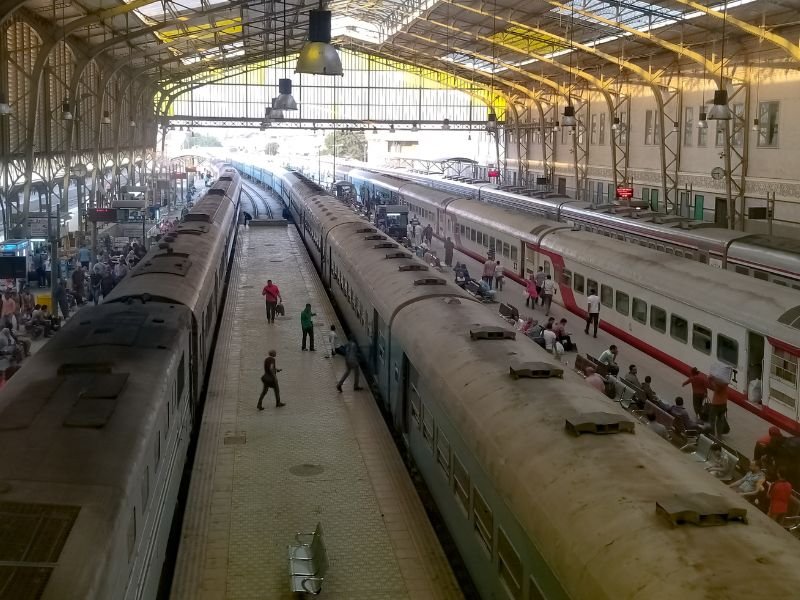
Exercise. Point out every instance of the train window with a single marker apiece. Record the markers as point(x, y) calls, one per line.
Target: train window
point(643, 243)
point(623, 303)
point(688, 255)
point(415, 401)
point(658, 319)
point(670, 250)
point(784, 367)
point(146, 486)
point(181, 377)
point(651, 245)
point(513, 253)
point(479, 237)
point(591, 286)
point(498, 247)
point(742, 270)
point(639, 311)
point(678, 328)
point(701, 338)
point(484, 525)
point(506, 250)
point(703, 258)
point(534, 591)
point(679, 253)
point(427, 426)
point(462, 229)
point(659, 247)
point(566, 277)
point(491, 242)
point(132, 534)
point(473, 235)
point(509, 566)
point(486, 241)
point(578, 284)
point(547, 267)
point(443, 453)
point(461, 484)
point(780, 282)
point(760, 275)
point(607, 295)
point(727, 350)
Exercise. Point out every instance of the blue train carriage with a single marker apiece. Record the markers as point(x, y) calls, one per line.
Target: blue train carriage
point(538, 513)
point(93, 433)
point(189, 267)
point(372, 276)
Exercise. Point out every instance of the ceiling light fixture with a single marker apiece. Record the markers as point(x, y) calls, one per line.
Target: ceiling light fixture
point(414, 127)
point(106, 118)
point(5, 108)
point(615, 125)
point(317, 56)
point(131, 123)
point(446, 124)
point(285, 100)
point(391, 128)
point(491, 121)
point(556, 127)
point(702, 122)
point(568, 118)
point(719, 110)
point(756, 126)
point(66, 113)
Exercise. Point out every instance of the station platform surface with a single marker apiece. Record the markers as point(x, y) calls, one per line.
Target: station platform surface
point(746, 427)
point(259, 477)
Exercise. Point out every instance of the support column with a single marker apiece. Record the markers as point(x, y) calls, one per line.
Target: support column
point(580, 147)
point(620, 140)
point(737, 138)
point(668, 101)
point(549, 143)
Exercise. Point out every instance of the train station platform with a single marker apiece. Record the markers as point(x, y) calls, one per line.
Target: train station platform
point(259, 477)
point(746, 427)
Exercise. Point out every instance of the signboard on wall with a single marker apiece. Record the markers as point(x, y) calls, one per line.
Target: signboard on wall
point(38, 227)
point(102, 215)
point(624, 192)
point(494, 173)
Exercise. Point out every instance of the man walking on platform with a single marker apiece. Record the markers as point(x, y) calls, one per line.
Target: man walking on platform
point(699, 384)
point(270, 380)
point(448, 252)
point(592, 311)
point(351, 361)
point(549, 289)
point(272, 295)
point(307, 325)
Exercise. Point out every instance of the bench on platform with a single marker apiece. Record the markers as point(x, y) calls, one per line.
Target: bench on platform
point(599, 368)
point(474, 288)
point(702, 448)
point(662, 416)
point(308, 562)
point(507, 311)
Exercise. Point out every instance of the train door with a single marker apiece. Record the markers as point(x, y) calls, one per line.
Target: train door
point(755, 356)
point(721, 212)
point(380, 358)
point(410, 401)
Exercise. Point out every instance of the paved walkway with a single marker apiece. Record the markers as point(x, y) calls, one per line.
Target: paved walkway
point(259, 477)
point(746, 427)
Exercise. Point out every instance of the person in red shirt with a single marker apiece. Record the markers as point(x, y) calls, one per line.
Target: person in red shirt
point(780, 493)
point(272, 295)
point(719, 406)
point(764, 441)
point(699, 384)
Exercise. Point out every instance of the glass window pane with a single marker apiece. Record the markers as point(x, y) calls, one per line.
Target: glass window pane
point(461, 484)
point(566, 277)
point(728, 350)
point(484, 522)
point(607, 295)
point(678, 328)
point(688, 126)
point(701, 338)
point(578, 283)
point(513, 253)
point(509, 566)
point(783, 366)
point(506, 250)
point(639, 312)
point(591, 287)
point(623, 303)
point(768, 124)
point(658, 319)
point(702, 129)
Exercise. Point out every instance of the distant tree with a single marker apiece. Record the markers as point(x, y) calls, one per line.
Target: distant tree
point(272, 148)
point(201, 140)
point(349, 144)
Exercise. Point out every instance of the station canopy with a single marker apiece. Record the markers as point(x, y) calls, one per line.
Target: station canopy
point(502, 42)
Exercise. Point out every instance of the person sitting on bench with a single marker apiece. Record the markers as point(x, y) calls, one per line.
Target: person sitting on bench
point(485, 291)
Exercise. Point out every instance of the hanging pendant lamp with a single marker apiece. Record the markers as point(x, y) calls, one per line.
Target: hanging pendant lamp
point(719, 111)
point(106, 120)
point(568, 119)
point(491, 121)
point(66, 112)
point(318, 57)
point(285, 100)
point(5, 107)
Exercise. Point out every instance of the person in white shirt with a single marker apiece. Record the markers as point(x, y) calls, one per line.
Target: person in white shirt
point(549, 338)
point(333, 342)
point(498, 276)
point(593, 311)
point(548, 291)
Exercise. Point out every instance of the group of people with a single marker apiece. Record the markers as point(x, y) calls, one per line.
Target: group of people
point(419, 234)
point(540, 288)
point(273, 305)
point(22, 321)
point(550, 335)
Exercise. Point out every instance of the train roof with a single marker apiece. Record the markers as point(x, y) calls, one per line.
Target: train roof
point(728, 295)
point(403, 278)
point(588, 502)
point(523, 226)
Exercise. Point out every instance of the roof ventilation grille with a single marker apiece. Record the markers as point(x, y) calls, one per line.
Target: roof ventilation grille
point(366, 230)
point(534, 370)
point(374, 237)
point(430, 281)
point(700, 509)
point(397, 255)
point(491, 332)
point(385, 245)
point(598, 422)
point(412, 267)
